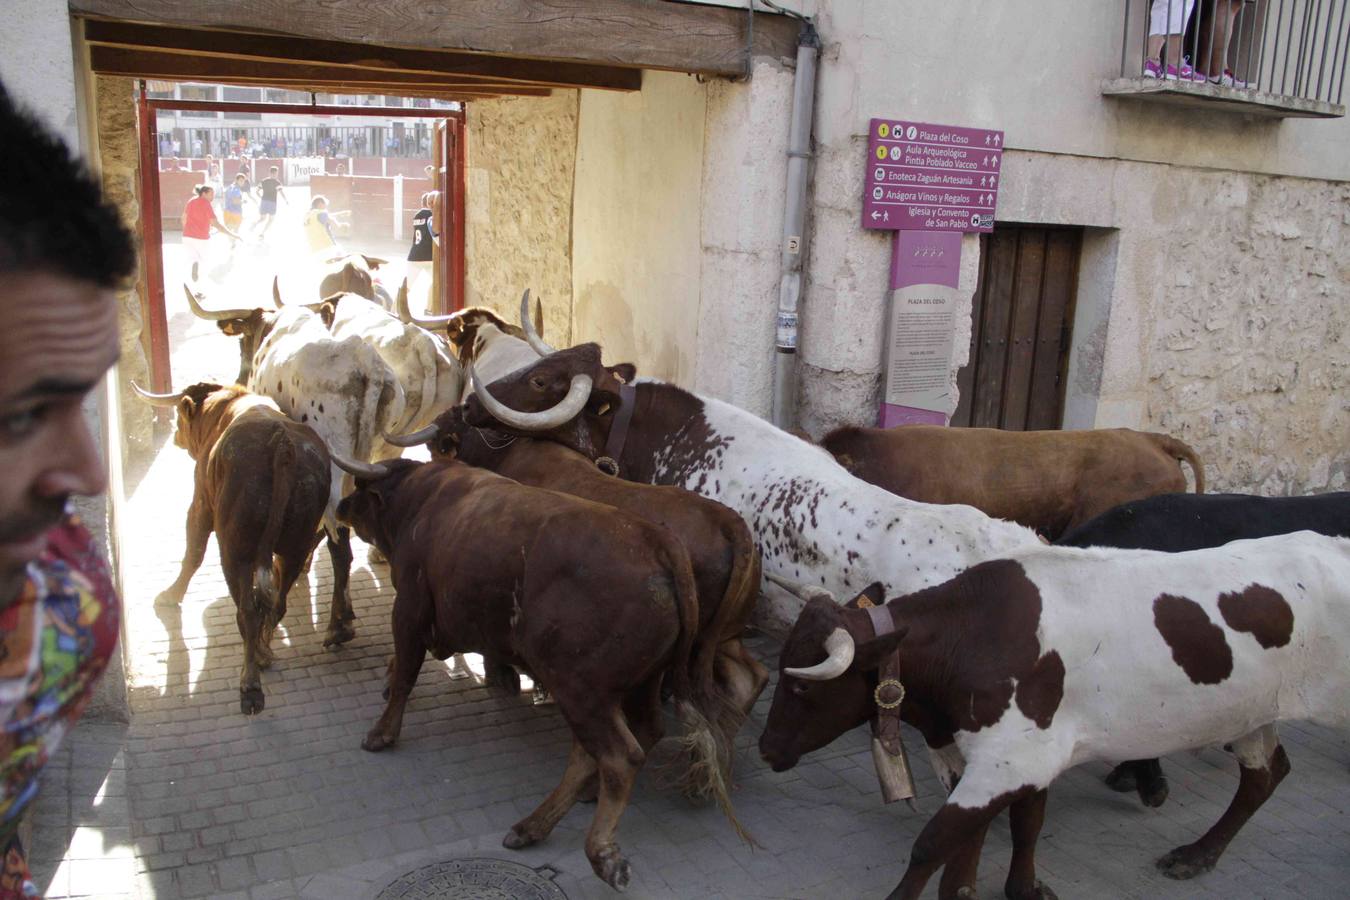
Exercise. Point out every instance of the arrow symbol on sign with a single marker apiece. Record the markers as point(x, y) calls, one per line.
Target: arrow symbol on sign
point(993, 180)
point(998, 139)
point(875, 215)
point(995, 162)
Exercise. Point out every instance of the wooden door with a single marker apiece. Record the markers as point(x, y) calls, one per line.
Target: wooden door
point(448, 158)
point(1021, 325)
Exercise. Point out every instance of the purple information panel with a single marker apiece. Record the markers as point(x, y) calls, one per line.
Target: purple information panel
point(931, 177)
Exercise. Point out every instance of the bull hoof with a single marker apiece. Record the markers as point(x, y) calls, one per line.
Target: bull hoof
point(1154, 794)
point(251, 701)
point(1183, 863)
point(613, 869)
point(516, 839)
point(1038, 892)
point(1121, 778)
point(338, 635)
point(376, 741)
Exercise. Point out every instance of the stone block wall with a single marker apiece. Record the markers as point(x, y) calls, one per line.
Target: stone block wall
point(518, 206)
point(1246, 339)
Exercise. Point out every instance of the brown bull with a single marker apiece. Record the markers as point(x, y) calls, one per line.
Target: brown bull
point(721, 548)
point(261, 484)
point(1047, 480)
point(595, 604)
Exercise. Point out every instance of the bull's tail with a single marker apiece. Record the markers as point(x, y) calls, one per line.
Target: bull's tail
point(1182, 452)
point(738, 602)
point(708, 759)
point(283, 468)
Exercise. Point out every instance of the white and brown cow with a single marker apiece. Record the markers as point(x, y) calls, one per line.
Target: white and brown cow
point(1029, 665)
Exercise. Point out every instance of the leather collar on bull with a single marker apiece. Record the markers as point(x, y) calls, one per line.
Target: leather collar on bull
point(888, 749)
point(618, 432)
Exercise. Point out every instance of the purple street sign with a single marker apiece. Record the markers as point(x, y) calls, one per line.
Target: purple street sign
point(931, 177)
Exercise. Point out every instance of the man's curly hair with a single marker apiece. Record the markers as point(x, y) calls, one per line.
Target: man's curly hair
point(53, 217)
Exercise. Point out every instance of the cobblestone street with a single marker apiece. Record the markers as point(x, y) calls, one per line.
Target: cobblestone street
point(193, 799)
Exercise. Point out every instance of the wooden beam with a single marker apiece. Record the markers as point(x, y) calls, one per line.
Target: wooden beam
point(648, 34)
point(176, 66)
point(363, 57)
point(364, 87)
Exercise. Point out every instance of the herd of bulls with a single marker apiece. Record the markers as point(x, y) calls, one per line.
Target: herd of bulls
point(614, 536)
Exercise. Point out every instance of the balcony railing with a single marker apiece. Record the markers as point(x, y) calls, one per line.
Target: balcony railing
point(1278, 57)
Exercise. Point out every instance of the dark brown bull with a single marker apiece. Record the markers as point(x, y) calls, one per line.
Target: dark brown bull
point(261, 484)
point(594, 604)
point(1047, 480)
point(720, 546)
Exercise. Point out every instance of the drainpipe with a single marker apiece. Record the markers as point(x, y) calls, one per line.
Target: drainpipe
point(794, 217)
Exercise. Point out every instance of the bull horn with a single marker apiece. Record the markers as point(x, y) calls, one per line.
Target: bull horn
point(431, 323)
point(157, 399)
point(215, 315)
point(413, 439)
point(840, 647)
point(528, 327)
point(276, 291)
point(369, 471)
point(573, 403)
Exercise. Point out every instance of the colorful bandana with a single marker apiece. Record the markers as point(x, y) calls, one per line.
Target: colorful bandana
point(55, 641)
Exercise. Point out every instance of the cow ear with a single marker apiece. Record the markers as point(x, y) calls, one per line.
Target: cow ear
point(374, 261)
point(869, 656)
point(623, 372)
point(328, 312)
point(187, 408)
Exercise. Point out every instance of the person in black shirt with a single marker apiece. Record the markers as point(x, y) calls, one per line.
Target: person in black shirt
point(269, 190)
point(424, 240)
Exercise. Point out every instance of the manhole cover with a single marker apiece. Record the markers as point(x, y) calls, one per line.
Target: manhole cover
point(475, 879)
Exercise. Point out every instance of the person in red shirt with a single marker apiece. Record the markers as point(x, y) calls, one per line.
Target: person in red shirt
point(199, 217)
point(63, 253)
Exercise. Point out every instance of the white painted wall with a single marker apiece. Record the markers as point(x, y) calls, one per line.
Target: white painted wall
point(636, 259)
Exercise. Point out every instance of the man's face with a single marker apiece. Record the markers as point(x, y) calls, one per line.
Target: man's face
point(58, 339)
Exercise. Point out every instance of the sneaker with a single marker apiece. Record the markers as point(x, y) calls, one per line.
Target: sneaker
point(1154, 69)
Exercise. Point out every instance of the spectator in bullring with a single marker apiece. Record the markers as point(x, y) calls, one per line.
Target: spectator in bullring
point(1167, 25)
point(63, 253)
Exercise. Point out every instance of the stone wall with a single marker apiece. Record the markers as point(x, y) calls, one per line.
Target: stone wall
point(1246, 341)
point(119, 161)
point(518, 206)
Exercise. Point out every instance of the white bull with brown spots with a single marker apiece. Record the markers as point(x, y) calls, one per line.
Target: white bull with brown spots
point(815, 524)
point(1026, 666)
